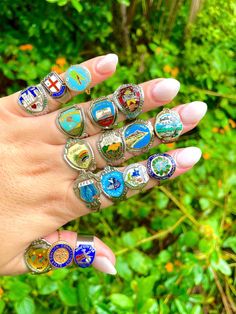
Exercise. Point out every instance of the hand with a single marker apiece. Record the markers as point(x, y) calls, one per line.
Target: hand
point(36, 192)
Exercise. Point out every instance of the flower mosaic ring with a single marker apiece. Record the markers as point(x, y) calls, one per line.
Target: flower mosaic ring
point(168, 125)
point(78, 78)
point(161, 166)
point(136, 176)
point(60, 254)
point(129, 98)
point(85, 251)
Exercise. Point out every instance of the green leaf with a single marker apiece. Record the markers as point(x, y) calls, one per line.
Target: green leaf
point(139, 262)
point(224, 267)
point(68, 294)
point(231, 243)
point(2, 306)
point(190, 238)
point(123, 268)
point(205, 245)
point(180, 306)
point(46, 285)
point(121, 301)
point(196, 309)
point(18, 290)
point(150, 307)
point(25, 306)
point(77, 5)
point(83, 295)
point(197, 274)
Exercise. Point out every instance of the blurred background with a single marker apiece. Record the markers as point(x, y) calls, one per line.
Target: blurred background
point(176, 244)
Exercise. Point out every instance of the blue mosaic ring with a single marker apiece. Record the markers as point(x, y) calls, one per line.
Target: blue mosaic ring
point(85, 252)
point(161, 166)
point(78, 78)
point(112, 183)
point(60, 254)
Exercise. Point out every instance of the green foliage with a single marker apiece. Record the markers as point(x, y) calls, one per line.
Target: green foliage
point(175, 245)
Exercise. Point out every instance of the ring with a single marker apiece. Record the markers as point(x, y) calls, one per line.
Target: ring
point(33, 100)
point(55, 87)
point(85, 252)
point(86, 188)
point(161, 166)
point(78, 78)
point(112, 184)
point(168, 125)
point(136, 176)
point(79, 154)
point(36, 258)
point(60, 254)
point(103, 112)
point(111, 146)
point(71, 121)
point(129, 98)
point(138, 136)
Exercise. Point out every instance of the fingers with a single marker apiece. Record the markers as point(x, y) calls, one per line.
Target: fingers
point(190, 115)
point(185, 159)
point(156, 93)
point(100, 69)
point(104, 260)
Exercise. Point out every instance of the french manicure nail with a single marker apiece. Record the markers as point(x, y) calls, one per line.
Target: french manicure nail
point(107, 64)
point(188, 157)
point(103, 264)
point(193, 112)
point(165, 89)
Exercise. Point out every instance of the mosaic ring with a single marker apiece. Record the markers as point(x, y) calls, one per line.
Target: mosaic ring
point(36, 257)
point(60, 254)
point(34, 100)
point(103, 113)
point(161, 166)
point(71, 121)
point(85, 251)
point(111, 146)
point(136, 176)
point(86, 188)
point(168, 125)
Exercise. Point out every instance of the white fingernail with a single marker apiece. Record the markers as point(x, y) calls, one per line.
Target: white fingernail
point(166, 89)
point(103, 264)
point(188, 157)
point(193, 112)
point(107, 63)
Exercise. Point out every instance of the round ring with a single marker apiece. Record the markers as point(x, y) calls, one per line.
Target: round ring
point(71, 121)
point(60, 254)
point(85, 251)
point(33, 100)
point(136, 176)
point(87, 189)
point(129, 98)
point(168, 125)
point(112, 184)
point(161, 166)
point(103, 112)
point(138, 136)
point(78, 78)
point(36, 258)
point(55, 87)
point(111, 146)
point(79, 155)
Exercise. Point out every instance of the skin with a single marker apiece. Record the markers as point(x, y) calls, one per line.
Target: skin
point(36, 191)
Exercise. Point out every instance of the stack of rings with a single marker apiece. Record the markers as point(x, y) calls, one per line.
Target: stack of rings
point(41, 256)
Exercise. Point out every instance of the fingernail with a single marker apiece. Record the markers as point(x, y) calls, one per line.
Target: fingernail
point(188, 157)
point(193, 112)
point(165, 89)
point(103, 264)
point(107, 63)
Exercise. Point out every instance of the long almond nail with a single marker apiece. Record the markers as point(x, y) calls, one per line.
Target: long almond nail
point(166, 89)
point(188, 157)
point(107, 64)
point(103, 264)
point(193, 112)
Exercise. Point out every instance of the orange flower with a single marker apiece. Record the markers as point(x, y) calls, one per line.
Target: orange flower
point(61, 61)
point(207, 230)
point(227, 128)
point(177, 263)
point(221, 131)
point(232, 123)
point(159, 49)
point(167, 68)
point(169, 267)
point(206, 156)
point(215, 130)
point(57, 69)
point(170, 145)
point(219, 183)
point(26, 47)
point(175, 72)
point(1, 291)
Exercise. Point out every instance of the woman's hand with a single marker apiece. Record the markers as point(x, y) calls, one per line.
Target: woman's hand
point(36, 192)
